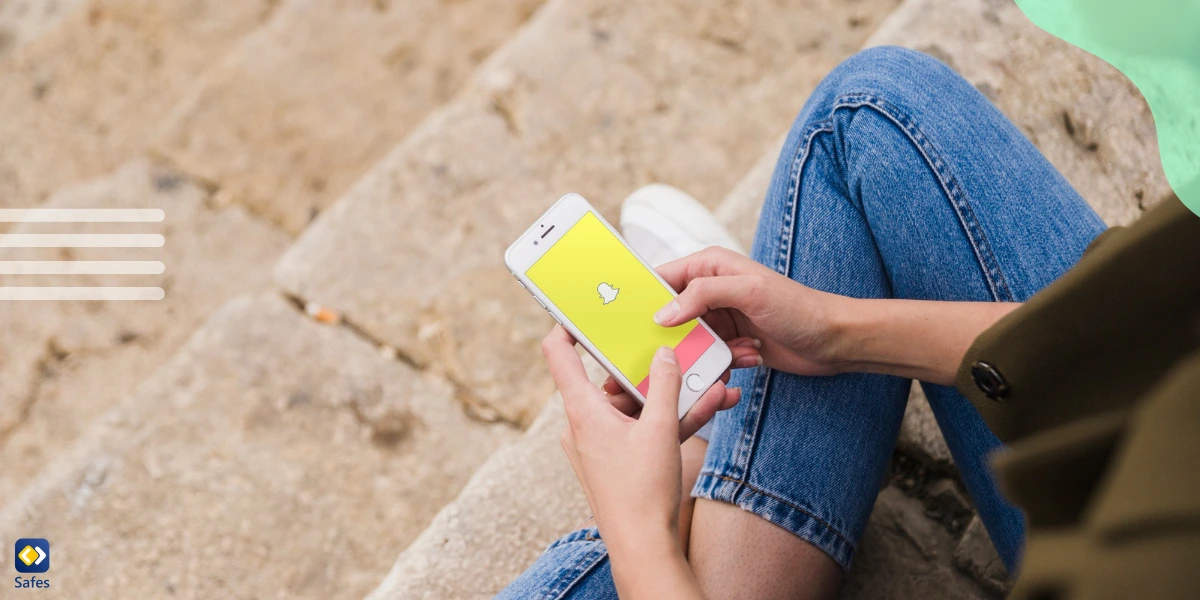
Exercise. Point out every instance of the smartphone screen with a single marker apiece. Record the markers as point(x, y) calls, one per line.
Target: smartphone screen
point(593, 278)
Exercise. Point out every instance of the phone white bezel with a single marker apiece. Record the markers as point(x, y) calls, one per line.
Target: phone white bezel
point(546, 232)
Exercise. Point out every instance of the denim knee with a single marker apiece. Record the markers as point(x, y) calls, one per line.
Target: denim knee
point(574, 567)
point(909, 80)
point(894, 71)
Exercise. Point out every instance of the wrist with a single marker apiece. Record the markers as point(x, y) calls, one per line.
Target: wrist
point(916, 339)
point(646, 566)
point(640, 543)
point(842, 319)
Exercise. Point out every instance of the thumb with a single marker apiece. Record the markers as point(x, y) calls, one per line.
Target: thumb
point(662, 403)
point(708, 293)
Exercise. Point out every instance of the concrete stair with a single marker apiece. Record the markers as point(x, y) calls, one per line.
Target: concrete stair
point(277, 455)
point(64, 364)
point(271, 457)
point(87, 94)
point(288, 119)
point(23, 20)
point(56, 353)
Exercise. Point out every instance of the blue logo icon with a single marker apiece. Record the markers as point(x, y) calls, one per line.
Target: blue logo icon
point(32, 555)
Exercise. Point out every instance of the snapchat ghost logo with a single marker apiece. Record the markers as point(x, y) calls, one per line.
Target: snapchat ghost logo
point(607, 292)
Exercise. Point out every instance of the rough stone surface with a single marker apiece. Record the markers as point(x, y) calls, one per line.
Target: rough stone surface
point(630, 93)
point(23, 20)
point(1082, 113)
point(522, 499)
point(920, 436)
point(976, 556)
point(273, 457)
point(740, 209)
point(902, 554)
point(950, 495)
point(64, 363)
point(302, 107)
point(87, 94)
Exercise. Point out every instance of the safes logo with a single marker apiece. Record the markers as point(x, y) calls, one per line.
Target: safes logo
point(32, 555)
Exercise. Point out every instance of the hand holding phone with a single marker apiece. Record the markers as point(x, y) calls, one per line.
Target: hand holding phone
point(580, 270)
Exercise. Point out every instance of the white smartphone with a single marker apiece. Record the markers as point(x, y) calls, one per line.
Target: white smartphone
point(581, 271)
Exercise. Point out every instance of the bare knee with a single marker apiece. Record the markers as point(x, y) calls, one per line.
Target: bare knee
point(737, 554)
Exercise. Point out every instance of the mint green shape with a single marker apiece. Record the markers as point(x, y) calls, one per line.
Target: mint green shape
point(1156, 44)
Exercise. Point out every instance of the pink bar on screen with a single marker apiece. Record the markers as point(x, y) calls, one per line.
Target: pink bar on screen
point(692, 347)
point(689, 350)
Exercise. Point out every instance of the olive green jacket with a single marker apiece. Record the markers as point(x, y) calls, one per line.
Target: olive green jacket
point(1095, 386)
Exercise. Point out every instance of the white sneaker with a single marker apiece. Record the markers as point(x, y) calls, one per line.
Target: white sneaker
point(663, 223)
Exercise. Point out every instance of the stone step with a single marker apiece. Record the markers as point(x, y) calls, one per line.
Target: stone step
point(592, 97)
point(57, 355)
point(299, 109)
point(24, 20)
point(65, 363)
point(86, 94)
point(524, 497)
point(271, 457)
point(509, 513)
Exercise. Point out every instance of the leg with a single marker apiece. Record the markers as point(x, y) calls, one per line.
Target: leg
point(898, 180)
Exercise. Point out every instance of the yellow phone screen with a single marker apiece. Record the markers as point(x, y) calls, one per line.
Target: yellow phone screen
point(611, 297)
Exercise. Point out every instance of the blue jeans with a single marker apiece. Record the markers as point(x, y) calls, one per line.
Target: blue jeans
point(898, 180)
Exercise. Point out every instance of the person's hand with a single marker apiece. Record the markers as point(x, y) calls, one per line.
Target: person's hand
point(745, 354)
point(629, 468)
point(743, 300)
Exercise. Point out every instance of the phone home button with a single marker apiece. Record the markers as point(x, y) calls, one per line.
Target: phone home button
point(694, 382)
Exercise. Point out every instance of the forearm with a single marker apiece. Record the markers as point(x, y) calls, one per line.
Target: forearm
point(922, 340)
point(652, 565)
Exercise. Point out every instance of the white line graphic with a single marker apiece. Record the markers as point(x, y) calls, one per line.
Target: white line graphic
point(81, 215)
point(81, 293)
point(81, 267)
point(81, 240)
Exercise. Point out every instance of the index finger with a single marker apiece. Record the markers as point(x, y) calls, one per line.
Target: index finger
point(710, 262)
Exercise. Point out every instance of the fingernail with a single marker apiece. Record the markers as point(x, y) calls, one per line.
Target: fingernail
point(748, 361)
point(666, 355)
point(756, 342)
point(667, 312)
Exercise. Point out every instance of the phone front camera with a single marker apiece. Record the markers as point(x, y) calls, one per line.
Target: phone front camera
point(534, 242)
